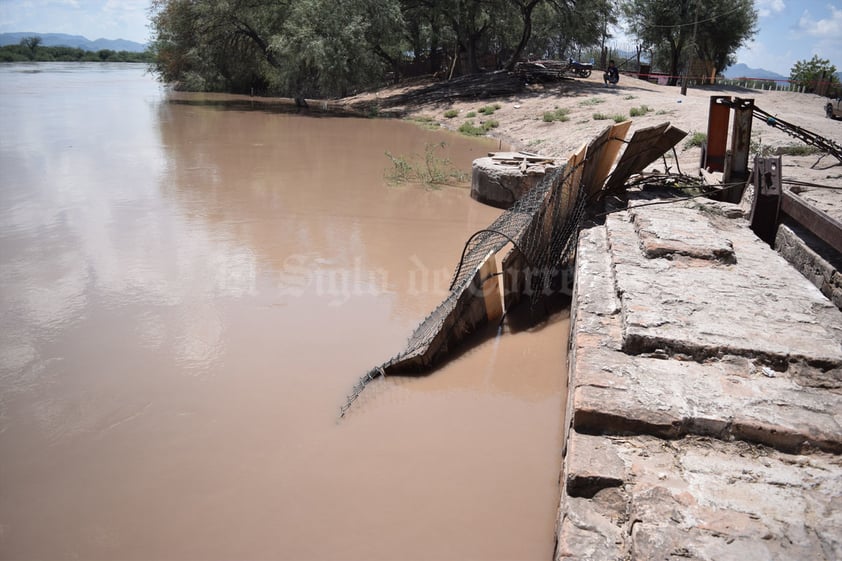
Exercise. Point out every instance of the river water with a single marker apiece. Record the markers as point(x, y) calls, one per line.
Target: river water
point(188, 291)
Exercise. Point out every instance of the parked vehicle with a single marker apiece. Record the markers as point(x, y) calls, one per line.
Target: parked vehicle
point(581, 69)
point(833, 109)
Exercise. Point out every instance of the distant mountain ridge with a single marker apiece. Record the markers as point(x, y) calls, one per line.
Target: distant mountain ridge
point(77, 41)
point(743, 71)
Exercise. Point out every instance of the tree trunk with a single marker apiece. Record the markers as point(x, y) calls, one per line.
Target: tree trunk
point(526, 15)
point(435, 55)
point(675, 55)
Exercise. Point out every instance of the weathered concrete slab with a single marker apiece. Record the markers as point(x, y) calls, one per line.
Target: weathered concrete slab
point(729, 399)
point(702, 499)
point(817, 261)
point(680, 304)
point(732, 397)
point(682, 231)
point(665, 433)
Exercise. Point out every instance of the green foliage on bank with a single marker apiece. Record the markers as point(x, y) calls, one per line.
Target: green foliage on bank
point(434, 169)
point(33, 51)
point(816, 75)
point(324, 48)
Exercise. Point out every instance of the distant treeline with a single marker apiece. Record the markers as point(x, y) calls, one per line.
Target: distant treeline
point(25, 53)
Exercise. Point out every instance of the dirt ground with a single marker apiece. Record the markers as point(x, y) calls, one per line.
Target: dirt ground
point(522, 125)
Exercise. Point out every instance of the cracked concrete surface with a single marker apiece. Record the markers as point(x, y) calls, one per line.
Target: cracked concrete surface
point(705, 406)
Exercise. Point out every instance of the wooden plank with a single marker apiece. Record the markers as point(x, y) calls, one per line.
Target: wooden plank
point(668, 140)
point(595, 149)
point(643, 149)
point(491, 288)
point(642, 140)
point(514, 278)
point(608, 156)
point(518, 157)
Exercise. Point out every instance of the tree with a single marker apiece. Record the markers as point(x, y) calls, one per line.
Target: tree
point(562, 27)
point(714, 28)
point(815, 75)
point(525, 9)
point(326, 48)
point(662, 24)
point(31, 44)
point(726, 26)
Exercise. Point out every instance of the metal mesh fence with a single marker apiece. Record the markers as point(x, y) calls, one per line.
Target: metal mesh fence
point(540, 226)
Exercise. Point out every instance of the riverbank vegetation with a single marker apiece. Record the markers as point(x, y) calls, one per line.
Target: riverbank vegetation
point(327, 48)
point(31, 50)
point(323, 48)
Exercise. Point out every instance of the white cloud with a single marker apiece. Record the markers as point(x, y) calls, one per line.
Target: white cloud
point(829, 27)
point(766, 8)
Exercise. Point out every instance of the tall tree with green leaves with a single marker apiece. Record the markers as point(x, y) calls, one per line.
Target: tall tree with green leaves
point(31, 43)
point(328, 47)
point(814, 75)
point(725, 27)
point(714, 29)
point(206, 45)
point(563, 27)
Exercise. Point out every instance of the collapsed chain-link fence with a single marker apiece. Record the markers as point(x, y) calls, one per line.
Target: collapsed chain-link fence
point(541, 228)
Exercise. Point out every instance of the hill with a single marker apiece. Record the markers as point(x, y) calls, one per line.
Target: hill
point(76, 41)
point(742, 71)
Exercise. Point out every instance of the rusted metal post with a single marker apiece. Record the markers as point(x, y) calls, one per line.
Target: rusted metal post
point(767, 198)
point(740, 146)
point(719, 115)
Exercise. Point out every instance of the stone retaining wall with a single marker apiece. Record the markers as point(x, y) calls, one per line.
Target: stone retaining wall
point(705, 407)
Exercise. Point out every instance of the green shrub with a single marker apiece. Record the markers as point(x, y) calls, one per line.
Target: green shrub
point(450, 113)
point(796, 150)
point(696, 140)
point(639, 111)
point(619, 118)
point(557, 115)
point(592, 101)
point(425, 121)
point(470, 114)
point(600, 117)
point(433, 170)
point(468, 128)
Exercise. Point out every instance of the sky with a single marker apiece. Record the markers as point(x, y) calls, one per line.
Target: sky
point(789, 30)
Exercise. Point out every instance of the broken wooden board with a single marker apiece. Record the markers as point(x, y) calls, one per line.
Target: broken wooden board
point(645, 146)
point(604, 160)
point(467, 308)
point(595, 149)
point(519, 157)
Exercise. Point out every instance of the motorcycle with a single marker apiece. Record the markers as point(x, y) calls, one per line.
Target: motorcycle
point(581, 69)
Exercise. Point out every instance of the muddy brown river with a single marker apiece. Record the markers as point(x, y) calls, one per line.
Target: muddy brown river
point(189, 288)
